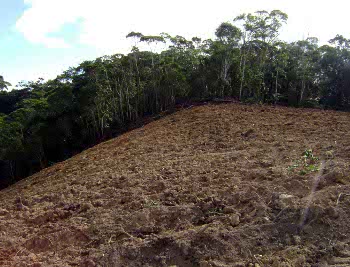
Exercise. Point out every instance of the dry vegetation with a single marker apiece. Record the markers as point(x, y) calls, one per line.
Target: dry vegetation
point(215, 185)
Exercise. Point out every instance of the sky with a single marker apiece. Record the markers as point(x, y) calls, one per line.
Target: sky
point(42, 38)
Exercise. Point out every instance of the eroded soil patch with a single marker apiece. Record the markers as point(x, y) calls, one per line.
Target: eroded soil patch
point(215, 185)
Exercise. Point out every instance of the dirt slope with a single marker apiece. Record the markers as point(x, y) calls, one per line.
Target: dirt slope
point(216, 185)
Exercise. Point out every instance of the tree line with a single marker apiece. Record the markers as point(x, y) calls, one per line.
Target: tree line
point(44, 122)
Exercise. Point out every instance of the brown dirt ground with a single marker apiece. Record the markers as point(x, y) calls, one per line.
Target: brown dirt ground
point(206, 186)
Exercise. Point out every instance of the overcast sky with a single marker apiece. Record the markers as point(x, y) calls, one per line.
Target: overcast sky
point(41, 38)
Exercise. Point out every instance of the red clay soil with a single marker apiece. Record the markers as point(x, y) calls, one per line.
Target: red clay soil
point(215, 185)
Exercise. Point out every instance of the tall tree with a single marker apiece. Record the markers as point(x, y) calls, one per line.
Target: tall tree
point(228, 36)
point(260, 32)
point(334, 71)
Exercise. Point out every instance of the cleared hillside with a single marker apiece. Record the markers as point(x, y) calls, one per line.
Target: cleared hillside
point(215, 185)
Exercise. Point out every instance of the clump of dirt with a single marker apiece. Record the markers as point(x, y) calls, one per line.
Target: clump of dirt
point(215, 185)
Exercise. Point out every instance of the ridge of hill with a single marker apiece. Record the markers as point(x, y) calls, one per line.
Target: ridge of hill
point(215, 185)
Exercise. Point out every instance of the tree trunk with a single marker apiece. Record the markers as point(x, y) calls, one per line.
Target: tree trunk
point(242, 78)
point(302, 90)
point(276, 89)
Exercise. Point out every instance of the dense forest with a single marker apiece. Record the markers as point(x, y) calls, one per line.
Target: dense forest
point(43, 122)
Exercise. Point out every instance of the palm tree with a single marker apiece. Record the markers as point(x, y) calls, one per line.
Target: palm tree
point(3, 83)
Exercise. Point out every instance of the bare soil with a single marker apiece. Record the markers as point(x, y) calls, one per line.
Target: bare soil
point(215, 185)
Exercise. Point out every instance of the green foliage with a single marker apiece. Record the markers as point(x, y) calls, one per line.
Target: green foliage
point(307, 163)
point(310, 103)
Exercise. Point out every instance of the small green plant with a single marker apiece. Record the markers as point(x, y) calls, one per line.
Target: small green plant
point(306, 164)
point(151, 204)
point(292, 167)
point(308, 155)
point(214, 211)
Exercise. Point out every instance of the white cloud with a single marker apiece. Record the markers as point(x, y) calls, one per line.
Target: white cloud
point(44, 17)
point(105, 23)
